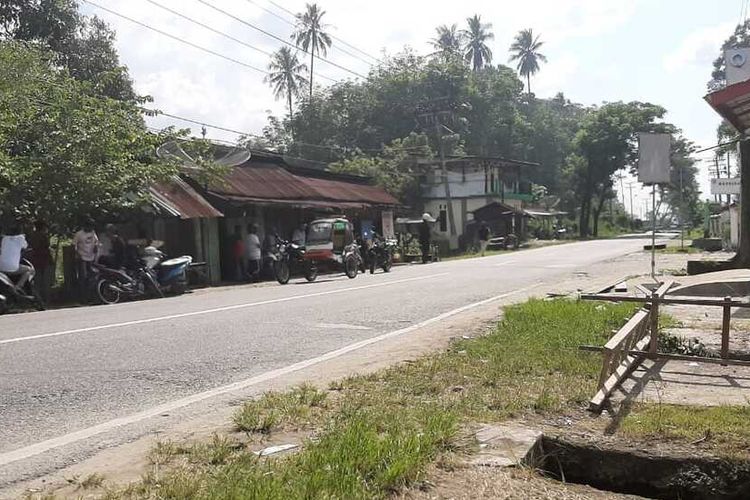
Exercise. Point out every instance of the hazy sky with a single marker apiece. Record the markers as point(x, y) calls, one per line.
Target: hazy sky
point(650, 50)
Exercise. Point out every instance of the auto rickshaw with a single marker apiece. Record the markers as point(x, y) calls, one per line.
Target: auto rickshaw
point(330, 244)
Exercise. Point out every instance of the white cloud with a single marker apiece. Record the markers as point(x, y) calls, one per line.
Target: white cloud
point(699, 48)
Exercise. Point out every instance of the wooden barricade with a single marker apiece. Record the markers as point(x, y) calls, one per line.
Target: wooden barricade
point(617, 362)
point(639, 338)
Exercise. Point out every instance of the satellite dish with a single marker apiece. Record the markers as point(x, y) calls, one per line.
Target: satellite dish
point(228, 157)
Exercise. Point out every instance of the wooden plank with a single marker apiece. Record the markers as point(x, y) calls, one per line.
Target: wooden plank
point(664, 300)
point(626, 367)
point(674, 357)
point(645, 291)
point(726, 316)
point(627, 329)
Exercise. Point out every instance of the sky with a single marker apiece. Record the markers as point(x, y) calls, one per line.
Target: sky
point(658, 51)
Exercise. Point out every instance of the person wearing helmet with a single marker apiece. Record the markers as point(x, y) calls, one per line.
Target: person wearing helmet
point(425, 235)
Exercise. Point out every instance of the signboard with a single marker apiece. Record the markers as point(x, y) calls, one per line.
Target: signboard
point(725, 185)
point(387, 219)
point(653, 158)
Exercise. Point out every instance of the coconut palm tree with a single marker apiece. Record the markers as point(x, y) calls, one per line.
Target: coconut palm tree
point(477, 35)
point(525, 50)
point(448, 42)
point(311, 36)
point(286, 75)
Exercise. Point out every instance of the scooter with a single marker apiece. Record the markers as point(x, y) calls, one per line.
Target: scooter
point(10, 295)
point(151, 274)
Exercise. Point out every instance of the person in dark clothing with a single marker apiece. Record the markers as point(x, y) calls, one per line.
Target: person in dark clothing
point(425, 235)
point(41, 257)
point(484, 237)
point(112, 252)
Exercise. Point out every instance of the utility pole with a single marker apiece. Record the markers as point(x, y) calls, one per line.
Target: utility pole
point(435, 113)
point(682, 211)
point(717, 197)
point(632, 213)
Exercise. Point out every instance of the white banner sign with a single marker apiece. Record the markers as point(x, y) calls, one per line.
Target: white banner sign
point(725, 185)
point(653, 158)
point(387, 219)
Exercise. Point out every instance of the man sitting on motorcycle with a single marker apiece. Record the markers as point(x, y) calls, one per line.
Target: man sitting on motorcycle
point(12, 244)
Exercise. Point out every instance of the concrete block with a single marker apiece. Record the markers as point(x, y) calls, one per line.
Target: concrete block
point(507, 445)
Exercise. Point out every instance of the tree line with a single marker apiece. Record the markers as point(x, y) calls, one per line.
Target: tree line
point(371, 126)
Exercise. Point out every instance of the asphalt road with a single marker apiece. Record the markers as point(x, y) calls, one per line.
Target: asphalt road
point(68, 370)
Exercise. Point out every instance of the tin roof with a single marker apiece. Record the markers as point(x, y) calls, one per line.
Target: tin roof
point(268, 182)
point(178, 198)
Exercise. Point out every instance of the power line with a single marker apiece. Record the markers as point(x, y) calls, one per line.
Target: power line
point(332, 36)
point(275, 37)
point(293, 24)
point(174, 37)
point(221, 33)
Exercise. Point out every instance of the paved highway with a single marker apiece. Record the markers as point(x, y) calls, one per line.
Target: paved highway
point(66, 374)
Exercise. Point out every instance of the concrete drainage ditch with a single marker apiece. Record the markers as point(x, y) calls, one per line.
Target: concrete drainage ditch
point(640, 473)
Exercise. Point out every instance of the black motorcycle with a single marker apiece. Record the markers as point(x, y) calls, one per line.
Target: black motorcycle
point(290, 257)
point(380, 254)
point(149, 274)
point(11, 296)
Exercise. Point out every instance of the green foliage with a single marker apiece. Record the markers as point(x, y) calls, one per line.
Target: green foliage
point(65, 151)
point(395, 168)
point(604, 144)
point(83, 45)
point(287, 75)
point(310, 34)
point(525, 50)
point(477, 34)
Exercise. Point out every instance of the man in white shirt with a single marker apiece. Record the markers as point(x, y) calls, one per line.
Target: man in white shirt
point(252, 251)
point(11, 247)
point(298, 235)
point(86, 244)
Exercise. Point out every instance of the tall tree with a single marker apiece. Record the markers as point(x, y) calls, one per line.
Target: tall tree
point(83, 45)
point(286, 76)
point(477, 35)
point(66, 151)
point(604, 144)
point(525, 50)
point(311, 35)
point(448, 42)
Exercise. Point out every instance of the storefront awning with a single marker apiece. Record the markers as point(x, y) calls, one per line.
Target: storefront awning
point(176, 198)
point(733, 104)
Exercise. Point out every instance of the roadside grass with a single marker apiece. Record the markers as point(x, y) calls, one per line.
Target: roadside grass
point(725, 429)
point(372, 435)
point(676, 249)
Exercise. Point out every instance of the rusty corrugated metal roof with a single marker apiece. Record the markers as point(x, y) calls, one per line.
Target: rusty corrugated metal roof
point(266, 182)
point(179, 199)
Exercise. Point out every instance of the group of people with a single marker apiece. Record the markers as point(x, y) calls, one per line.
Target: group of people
point(109, 250)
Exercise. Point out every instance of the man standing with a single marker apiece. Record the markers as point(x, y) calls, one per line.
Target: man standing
point(298, 235)
point(86, 244)
point(112, 248)
point(252, 251)
point(484, 237)
point(425, 235)
point(41, 258)
point(238, 254)
point(11, 246)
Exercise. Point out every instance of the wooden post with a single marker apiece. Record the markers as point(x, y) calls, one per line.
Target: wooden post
point(727, 311)
point(654, 317)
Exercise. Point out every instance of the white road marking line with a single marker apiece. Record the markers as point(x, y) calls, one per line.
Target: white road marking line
point(505, 263)
point(44, 446)
point(214, 310)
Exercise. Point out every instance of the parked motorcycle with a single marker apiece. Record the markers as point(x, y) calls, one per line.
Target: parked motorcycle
point(380, 253)
point(288, 257)
point(10, 296)
point(150, 274)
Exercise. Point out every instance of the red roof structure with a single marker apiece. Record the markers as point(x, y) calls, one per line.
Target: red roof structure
point(270, 182)
point(179, 199)
point(733, 104)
